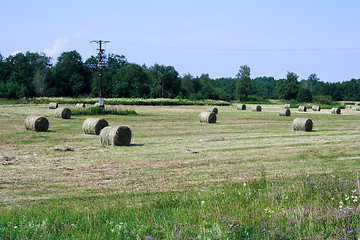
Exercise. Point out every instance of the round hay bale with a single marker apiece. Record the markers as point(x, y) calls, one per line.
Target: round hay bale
point(357, 104)
point(80, 105)
point(335, 111)
point(287, 106)
point(302, 124)
point(207, 117)
point(256, 108)
point(285, 112)
point(36, 123)
point(357, 108)
point(241, 107)
point(212, 109)
point(63, 113)
point(348, 106)
point(115, 136)
point(316, 108)
point(302, 109)
point(94, 125)
point(53, 105)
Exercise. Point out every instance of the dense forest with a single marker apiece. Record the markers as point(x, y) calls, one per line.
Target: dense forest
point(27, 75)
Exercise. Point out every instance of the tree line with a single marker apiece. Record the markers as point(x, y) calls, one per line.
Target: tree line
point(28, 75)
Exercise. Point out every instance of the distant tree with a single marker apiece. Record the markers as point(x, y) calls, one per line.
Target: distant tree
point(19, 74)
point(304, 95)
point(131, 81)
point(71, 77)
point(226, 88)
point(165, 81)
point(264, 87)
point(207, 90)
point(351, 90)
point(243, 83)
point(288, 88)
point(114, 63)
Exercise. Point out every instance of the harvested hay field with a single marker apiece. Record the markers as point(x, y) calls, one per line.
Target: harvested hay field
point(170, 150)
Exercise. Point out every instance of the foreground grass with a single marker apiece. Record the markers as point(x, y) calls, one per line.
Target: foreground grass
point(305, 207)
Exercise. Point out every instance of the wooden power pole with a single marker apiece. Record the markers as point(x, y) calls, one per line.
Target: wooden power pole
point(101, 65)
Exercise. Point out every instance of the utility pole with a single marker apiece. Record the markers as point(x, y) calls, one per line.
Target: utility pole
point(101, 65)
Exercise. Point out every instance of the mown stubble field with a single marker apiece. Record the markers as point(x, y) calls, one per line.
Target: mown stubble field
point(170, 150)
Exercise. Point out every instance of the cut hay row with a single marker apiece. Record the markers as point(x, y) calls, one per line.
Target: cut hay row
point(80, 105)
point(36, 123)
point(94, 125)
point(115, 136)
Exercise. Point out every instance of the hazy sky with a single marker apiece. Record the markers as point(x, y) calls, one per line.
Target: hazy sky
point(272, 37)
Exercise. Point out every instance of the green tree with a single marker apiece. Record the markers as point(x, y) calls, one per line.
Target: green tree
point(304, 95)
point(114, 63)
point(264, 87)
point(243, 83)
point(351, 90)
point(131, 81)
point(20, 72)
point(71, 77)
point(288, 88)
point(190, 86)
point(165, 81)
point(207, 90)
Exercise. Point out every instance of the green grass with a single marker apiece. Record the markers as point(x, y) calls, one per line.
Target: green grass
point(311, 207)
point(100, 111)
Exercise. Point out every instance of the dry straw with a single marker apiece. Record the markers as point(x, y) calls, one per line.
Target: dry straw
point(115, 136)
point(335, 111)
point(285, 112)
point(80, 105)
point(316, 108)
point(207, 117)
point(53, 105)
point(94, 125)
point(212, 109)
point(256, 108)
point(63, 113)
point(302, 108)
point(241, 107)
point(357, 108)
point(287, 106)
point(36, 123)
point(302, 124)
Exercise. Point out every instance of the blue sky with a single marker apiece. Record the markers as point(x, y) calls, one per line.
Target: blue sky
point(196, 37)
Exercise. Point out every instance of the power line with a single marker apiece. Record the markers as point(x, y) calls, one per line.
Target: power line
point(337, 49)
